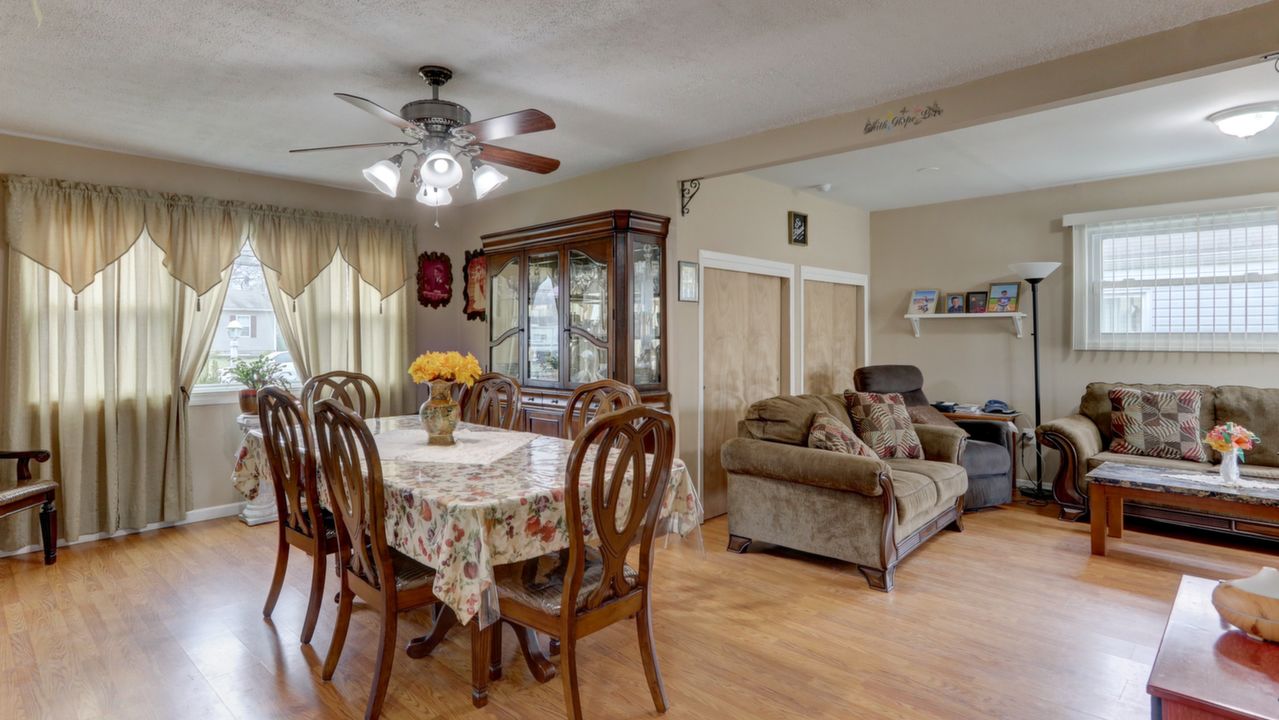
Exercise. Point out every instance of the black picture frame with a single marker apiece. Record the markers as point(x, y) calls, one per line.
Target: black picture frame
point(975, 301)
point(797, 228)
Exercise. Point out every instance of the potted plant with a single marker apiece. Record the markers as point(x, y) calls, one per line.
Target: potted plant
point(254, 374)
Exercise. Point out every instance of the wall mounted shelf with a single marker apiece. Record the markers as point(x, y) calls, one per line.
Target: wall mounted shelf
point(1016, 318)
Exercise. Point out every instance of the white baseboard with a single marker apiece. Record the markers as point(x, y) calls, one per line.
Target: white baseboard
point(197, 515)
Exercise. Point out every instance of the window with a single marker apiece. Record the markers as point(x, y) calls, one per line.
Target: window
point(247, 327)
point(1196, 277)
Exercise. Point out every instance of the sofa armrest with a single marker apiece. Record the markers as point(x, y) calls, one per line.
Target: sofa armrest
point(807, 466)
point(999, 432)
point(1077, 439)
point(1078, 431)
point(943, 444)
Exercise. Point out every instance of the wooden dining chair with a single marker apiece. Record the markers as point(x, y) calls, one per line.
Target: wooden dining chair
point(389, 581)
point(593, 399)
point(581, 590)
point(493, 400)
point(356, 391)
point(30, 493)
point(303, 524)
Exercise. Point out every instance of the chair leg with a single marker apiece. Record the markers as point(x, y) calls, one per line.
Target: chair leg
point(277, 582)
point(495, 652)
point(644, 626)
point(568, 672)
point(49, 530)
point(317, 594)
point(339, 631)
point(385, 658)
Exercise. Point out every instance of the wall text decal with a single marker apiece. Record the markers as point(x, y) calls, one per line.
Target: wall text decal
point(904, 118)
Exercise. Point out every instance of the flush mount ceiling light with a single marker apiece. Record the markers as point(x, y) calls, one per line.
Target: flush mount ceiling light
point(442, 131)
point(1246, 120)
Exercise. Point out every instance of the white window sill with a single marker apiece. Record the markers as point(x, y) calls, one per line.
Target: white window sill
point(215, 396)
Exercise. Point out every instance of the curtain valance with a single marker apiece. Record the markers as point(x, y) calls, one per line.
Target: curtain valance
point(77, 229)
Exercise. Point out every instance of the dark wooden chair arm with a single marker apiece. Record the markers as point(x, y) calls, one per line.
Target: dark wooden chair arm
point(24, 458)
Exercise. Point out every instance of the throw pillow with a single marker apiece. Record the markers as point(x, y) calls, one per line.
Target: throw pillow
point(1157, 424)
point(828, 433)
point(883, 421)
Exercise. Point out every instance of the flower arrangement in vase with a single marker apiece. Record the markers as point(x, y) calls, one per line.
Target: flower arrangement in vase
point(1232, 441)
point(442, 370)
point(254, 374)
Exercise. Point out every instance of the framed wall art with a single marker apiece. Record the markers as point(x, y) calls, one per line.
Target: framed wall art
point(688, 287)
point(434, 279)
point(798, 228)
point(475, 275)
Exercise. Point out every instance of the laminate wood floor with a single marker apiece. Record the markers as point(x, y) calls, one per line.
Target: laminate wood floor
point(1012, 618)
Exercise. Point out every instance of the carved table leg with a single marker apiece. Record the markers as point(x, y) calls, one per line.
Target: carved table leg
point(542, 669)
point(481, 647)
point(420, 647)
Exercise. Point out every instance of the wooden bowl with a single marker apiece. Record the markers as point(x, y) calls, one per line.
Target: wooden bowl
point(1251, 604)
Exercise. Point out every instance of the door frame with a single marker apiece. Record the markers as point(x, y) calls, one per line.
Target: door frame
point(838, 277)
point(736, 263)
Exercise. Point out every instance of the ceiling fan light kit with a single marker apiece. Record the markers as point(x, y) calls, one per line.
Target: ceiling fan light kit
point(441, 134)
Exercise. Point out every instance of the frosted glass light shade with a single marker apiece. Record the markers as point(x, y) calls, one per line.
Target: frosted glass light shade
point(440, 169)
point(1034, 270)
point(1246, 120)
point(384, 175)
point(486, 178)
point(433, 196)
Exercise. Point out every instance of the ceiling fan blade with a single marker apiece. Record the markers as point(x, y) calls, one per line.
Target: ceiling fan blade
point(376, 110)
point(509, 125)
point(397, 143)
point(517, 159)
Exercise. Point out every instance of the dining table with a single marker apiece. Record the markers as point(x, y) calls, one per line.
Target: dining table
point(495, 497)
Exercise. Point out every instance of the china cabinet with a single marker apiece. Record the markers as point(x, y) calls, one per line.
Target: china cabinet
point(579, 300)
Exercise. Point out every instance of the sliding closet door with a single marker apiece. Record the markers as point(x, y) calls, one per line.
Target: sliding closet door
point(744, 334)
point(832, 336)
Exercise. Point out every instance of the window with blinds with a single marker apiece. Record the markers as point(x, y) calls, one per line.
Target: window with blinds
point(1204, 281)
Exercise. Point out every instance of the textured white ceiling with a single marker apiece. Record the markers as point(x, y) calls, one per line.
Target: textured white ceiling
point(235, 83)
point(1149, 130)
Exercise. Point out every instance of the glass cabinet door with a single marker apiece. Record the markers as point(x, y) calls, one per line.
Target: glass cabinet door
point(646, 312)
point(504, 315)
point(588, 312)
point(543, 361)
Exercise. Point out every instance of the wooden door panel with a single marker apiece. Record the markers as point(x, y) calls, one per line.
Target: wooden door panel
point(743, 359)
point(832, 336)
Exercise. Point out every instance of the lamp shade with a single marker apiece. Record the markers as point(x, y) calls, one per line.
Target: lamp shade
point(1246, 120)
point(384, 175)
point(440, 169)
point(1034, 270)
point(486, 178)
point(433, 196)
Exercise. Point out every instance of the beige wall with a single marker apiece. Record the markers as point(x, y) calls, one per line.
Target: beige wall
point(215, 424)
point(966, 245)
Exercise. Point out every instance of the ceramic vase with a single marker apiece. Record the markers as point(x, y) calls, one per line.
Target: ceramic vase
point(249, 401)
point(1230, 468)
point(439, 414)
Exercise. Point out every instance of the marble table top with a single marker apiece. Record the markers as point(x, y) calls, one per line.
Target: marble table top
point(1206, 484)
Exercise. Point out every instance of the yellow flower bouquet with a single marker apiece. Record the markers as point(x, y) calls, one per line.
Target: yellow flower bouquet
point(449, 366)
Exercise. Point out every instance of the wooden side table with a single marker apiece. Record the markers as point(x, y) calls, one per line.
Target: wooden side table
point(1206, 669)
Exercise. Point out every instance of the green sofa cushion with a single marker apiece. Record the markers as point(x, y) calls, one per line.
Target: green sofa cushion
point(943, 483)
point(786, 418)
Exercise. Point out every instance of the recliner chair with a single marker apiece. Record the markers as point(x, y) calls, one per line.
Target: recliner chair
point(989, 456)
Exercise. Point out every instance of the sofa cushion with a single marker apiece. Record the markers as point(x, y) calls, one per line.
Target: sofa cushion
point(1157, 424)
point(1095, 404)
point(830, 433)
point(984, 458)
point(884, 423)
point(1256, 409)
point(915, 495)
point(950, 480)
point(787, 418)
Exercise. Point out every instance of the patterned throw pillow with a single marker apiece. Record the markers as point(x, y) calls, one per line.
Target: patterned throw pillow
point(1157, 424)
point(883, 421)
point(828, 433)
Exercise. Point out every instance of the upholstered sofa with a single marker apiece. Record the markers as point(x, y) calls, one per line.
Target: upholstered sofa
point(862, 510)
point(1083, 441)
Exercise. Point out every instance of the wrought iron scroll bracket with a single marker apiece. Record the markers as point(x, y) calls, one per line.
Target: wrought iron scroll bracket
point(687, 189)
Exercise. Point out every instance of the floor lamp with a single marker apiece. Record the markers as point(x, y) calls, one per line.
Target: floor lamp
point(1034, 273)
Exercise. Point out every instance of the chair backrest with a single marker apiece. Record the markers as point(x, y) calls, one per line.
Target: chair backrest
point(594, 399)
point(493, 400)
point(290, 455)
point(356, 391)
point(907, 380)
point(626, 488)
point(353, 476)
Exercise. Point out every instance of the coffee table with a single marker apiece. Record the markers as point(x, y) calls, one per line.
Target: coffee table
point(1206, 669)
point(1112, 483)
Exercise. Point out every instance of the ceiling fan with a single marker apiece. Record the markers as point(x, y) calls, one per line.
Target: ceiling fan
point(441, 135)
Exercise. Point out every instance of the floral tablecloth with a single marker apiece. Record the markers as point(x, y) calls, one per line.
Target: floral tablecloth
point(463, 519)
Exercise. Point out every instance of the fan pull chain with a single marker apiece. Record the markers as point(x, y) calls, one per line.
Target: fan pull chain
point(437, 216)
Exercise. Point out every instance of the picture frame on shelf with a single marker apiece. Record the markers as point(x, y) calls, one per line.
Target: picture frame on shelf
point(797, 228)
point(977, 301)
point(923, 302)
point(689, 290)
point(1003, 297)
point(954, 303)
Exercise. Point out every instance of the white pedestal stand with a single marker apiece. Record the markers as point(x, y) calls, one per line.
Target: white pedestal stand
point(260, 509)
